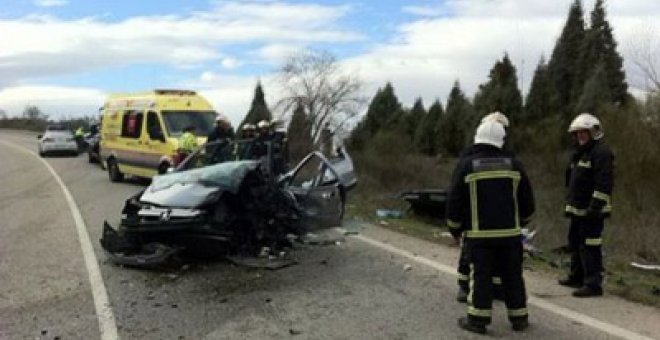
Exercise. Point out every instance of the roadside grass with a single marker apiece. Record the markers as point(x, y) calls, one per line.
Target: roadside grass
point(632, 234)
point(621, 279)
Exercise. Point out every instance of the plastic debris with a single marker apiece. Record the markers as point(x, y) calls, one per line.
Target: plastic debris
point(645, 266)
point(389, 213)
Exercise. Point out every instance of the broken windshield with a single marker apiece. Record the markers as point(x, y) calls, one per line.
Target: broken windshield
point(219, 152)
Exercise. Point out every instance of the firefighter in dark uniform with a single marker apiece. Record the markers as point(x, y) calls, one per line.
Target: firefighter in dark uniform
point(589, 178)
point(464, 258)
point(490, 198)
point(222, 129)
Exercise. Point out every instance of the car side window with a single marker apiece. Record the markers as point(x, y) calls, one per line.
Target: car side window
point(132, 124)
point(313, 173)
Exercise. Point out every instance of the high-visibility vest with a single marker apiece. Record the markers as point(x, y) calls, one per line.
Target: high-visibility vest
point(187, 142)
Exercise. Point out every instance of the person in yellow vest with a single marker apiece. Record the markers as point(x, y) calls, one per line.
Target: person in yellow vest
point(79, 137)
point(187, 143)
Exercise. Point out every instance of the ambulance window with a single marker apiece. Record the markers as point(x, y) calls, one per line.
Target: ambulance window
point(154, 128)
point(132, 125)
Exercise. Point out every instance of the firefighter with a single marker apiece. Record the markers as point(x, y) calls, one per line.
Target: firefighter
point(262, 139)
point(489, 200)
point(222, 130)
point(464, 258)
point(248, 131)
point(589, 178)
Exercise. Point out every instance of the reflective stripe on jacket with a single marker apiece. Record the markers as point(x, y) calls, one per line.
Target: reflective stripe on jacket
point(490, 195)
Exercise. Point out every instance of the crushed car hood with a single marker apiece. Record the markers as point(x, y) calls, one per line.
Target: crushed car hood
point(191, 188)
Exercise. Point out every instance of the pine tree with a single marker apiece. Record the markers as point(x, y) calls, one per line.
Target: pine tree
point(501, 92)
point(426, 136)
point(456, 126)
point(563, 66)
point(599, 48)
point(596, 91)
point(541, 101)
point(414, 118)
point(299, 134)
point(258, 110)
point(384, 110)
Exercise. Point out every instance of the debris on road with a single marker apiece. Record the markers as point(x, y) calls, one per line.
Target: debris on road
point(389, 213)
point(407, 267)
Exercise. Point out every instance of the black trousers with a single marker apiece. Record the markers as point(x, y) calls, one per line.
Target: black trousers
point(488, 256)
point(464, 271)
point(585, 243)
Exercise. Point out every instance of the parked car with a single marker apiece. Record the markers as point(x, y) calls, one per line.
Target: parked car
point(57, 142)
point(224, 201)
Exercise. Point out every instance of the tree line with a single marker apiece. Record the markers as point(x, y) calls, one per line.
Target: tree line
point(584, 73)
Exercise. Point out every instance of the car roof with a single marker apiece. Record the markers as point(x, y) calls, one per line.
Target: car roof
point(56, 127)
point(59, 132)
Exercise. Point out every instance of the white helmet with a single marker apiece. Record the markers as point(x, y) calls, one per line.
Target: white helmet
point(587, 121)
point(222, 118)
point(490, 132)
point(498, 117)
point(264, 124)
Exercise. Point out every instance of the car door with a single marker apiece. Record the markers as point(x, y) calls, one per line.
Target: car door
point(155, 142)
point(316, 188)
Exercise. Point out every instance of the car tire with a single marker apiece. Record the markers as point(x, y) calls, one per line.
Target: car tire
point(113, 171)
point(162, 169)
point(42, 154)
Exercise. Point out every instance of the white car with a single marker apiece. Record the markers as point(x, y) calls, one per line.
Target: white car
point(57, 141)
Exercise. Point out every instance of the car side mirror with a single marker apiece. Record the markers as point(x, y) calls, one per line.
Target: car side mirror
point(39, 136)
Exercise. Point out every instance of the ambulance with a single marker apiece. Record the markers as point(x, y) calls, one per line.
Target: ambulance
point(140, 131)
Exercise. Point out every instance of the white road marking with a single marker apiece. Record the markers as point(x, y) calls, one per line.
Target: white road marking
point(106, 318)
point(538, 302)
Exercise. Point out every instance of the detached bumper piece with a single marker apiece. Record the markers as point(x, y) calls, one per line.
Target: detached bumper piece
point(126, 252)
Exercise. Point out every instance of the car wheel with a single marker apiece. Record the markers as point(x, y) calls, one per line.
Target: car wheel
point(42, 154)
point(162, 169)
point(113, 171)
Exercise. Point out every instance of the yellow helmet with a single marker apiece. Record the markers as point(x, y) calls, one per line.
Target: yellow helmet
point(264, 124)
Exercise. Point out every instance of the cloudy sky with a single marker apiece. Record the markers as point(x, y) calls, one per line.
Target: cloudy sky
point(66, 55)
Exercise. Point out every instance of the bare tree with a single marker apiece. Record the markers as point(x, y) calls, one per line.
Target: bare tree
point(315, 80)
point(645, 56)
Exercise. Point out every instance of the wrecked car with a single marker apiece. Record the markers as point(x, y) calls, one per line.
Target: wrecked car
point(223, 200)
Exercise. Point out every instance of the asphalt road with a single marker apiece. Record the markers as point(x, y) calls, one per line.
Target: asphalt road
point(353, 290)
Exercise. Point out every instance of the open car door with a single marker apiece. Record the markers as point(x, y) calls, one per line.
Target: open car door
point(317, 188)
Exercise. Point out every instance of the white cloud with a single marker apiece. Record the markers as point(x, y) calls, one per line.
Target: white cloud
point(51, 3)
point(42, 46)
point(428, 54)
point(56, 101)
point(231, 63)
point(275, 54)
